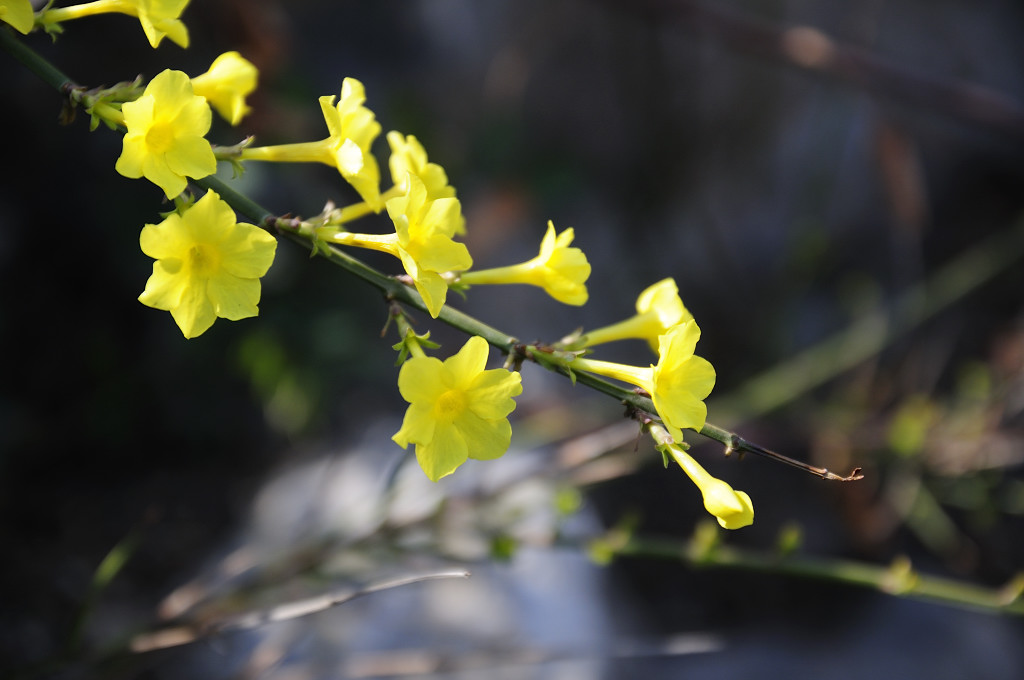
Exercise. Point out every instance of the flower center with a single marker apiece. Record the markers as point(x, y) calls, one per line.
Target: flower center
point(203, 260)
point(160, 137)
point(450, 404)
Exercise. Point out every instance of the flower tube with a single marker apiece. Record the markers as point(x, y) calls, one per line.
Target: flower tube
point(658, 308)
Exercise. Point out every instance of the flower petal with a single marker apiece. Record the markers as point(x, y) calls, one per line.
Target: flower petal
point(248, 251)
point(419, 380)
point(164, 240)
point(165, 286)
point(155, 169)
point(209, 220)
point(432, 288)
point(446, 451)
point(491, 396)
point(486, 439)
point(17, 13)
point(191, 157)
point(464, 366)
point(233, 298)
point(417, 426)
point(678, 343)
point(194, 313)
point(171, 90)
point(194, 118)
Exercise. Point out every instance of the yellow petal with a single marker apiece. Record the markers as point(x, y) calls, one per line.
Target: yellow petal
point(191, 157)
point(464, 366)
point(678, 343)
point(133, 155)
point(165, 286)
point(433, 289)
point(233, 298)
point(248, 251)
point(165, 240)
point(491, 395)
point(446, 451)
point(486, 439)
point(155, 169)
point(419, 379)
point(17, 13)
point(417, 426)
point(194, 313)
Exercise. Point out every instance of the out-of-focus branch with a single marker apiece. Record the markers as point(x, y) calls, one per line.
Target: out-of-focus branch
point(899, 578)
point(810, 49)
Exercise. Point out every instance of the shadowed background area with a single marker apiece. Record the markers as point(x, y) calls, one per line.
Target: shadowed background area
point(838, 192)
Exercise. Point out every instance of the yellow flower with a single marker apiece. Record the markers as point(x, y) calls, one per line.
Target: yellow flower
point(207, 265)
point(409, 156)
point(658, 308)
point(678, 384)
point(165, 141)
point(733, 509)
point(159, 18)
point(229, 81)
point(352, 129)
point(17, 13)
point(560, 270)
point(422, 241)
point(457, 409)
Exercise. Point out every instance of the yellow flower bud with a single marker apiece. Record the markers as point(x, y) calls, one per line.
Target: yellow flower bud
point(731, 508)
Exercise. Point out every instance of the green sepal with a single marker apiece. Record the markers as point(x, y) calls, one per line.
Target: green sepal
point(421, 341)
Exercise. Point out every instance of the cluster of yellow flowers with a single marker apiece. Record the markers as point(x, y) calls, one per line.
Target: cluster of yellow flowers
point(207, 265)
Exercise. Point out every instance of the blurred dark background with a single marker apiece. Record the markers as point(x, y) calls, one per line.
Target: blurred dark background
point(796, 166)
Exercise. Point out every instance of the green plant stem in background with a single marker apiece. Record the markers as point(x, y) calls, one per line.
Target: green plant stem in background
point(46, 71)
point(896, 579)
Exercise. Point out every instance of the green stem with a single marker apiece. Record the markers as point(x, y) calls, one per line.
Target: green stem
point(897, 579)
point(408, 334)
point(46, 71)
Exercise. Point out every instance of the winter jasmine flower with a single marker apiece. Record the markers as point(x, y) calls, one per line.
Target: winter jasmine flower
point(560, 270)
point(207, 265)
point(457, 409)
point(165, 140)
